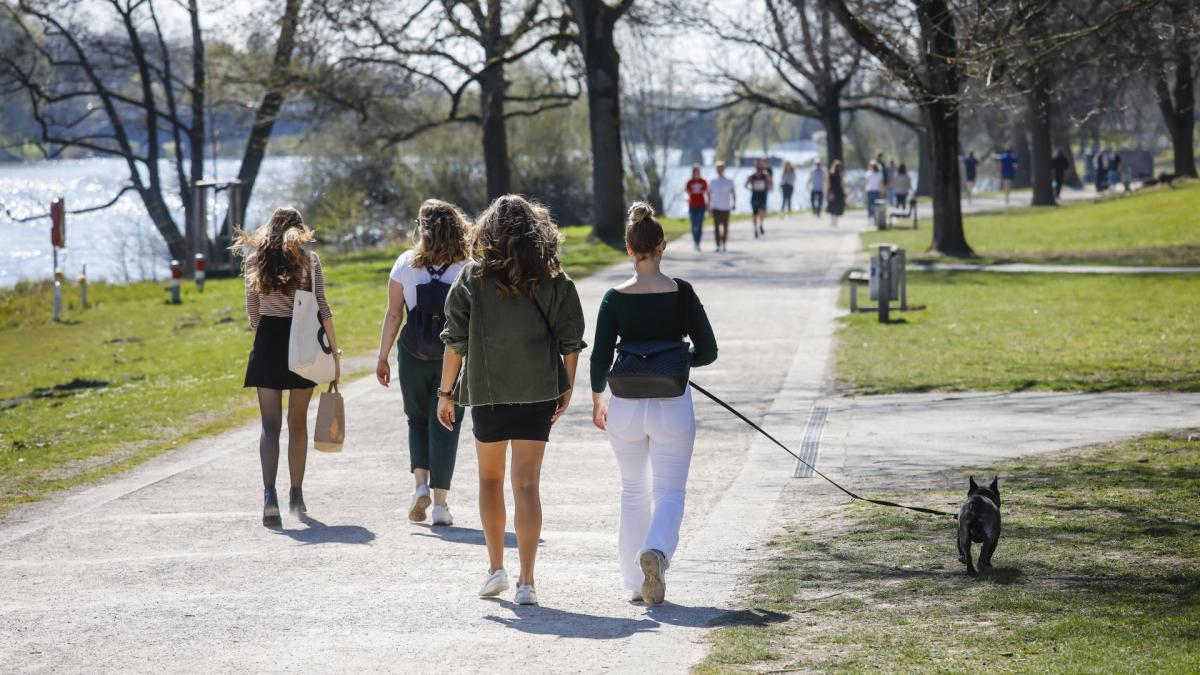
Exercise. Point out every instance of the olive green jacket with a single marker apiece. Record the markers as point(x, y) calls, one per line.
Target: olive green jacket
point(508, 353)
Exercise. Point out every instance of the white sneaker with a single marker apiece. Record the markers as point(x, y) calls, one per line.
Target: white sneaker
point(495, 584)
point(526, 595)
point(441, 515)
point(654, 567)
point(637, 597)
point(420, 502)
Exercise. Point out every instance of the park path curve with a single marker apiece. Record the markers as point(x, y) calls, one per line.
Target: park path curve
point(166, 566)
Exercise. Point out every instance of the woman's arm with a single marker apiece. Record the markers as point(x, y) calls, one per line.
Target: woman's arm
point(327, 322)
point(451, 364)
point(391, 325)
point(704, 343)
point(571, 361)
point(253, 313)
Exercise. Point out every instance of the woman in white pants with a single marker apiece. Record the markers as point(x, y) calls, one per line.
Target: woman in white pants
point(651, 437)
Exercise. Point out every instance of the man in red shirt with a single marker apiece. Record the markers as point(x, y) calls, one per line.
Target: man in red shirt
point(697, 194)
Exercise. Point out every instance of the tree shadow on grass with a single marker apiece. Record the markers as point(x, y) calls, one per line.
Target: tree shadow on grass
point(317, 532)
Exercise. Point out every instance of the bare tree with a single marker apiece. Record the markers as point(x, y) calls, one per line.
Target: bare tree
point(1172, 39)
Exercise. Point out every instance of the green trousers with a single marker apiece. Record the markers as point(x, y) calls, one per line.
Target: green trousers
point(430, 445)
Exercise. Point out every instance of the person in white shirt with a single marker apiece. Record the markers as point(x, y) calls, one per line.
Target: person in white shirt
point(816, 187)
point(873, 183)
point(722, 199)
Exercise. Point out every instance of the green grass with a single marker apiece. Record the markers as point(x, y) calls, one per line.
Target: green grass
point(1159, 226)
point(1012, 332)
point(1096, 572)
point(134, 376)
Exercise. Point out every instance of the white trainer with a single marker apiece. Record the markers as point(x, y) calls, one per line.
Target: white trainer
point(637, 597)
point(526, 595)
point(495, 584)
point(441, 515)
point(420, 502)
point(654, 567)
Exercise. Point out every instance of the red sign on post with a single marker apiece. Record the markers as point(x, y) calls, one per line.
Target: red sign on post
point(58, 223)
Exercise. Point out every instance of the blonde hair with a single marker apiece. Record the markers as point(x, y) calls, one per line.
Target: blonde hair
point(643, 232)
point(273, 257)
point(442, 231)
point(516, 243)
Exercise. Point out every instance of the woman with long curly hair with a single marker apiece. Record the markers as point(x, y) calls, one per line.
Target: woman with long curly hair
point(275, 265)
point(419, 282)
point(514, 330)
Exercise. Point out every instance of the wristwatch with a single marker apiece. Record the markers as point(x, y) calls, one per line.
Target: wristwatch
point(445, 394)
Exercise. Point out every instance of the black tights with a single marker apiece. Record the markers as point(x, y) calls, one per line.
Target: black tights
point(270, 404)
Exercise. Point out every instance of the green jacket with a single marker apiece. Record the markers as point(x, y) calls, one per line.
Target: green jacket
point(508, 353)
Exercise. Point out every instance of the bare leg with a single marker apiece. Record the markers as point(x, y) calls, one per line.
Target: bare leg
point(491, 499)
point(298, 400)
point(526, 486)
point(421, 476)
point(270, 406)
point(439, 496)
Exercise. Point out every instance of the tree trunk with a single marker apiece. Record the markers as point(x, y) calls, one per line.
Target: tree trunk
point(178, 246)
point(831, 118)
point(924, 165)
point(267, 112)
point(1019, 143)
point(941, 120)
point(602, 63)
point(1042, 147)
point(1061, 135)
point(495, 131)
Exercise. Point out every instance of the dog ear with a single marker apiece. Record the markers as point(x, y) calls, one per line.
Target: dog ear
point(994, 486)
point(973, 487)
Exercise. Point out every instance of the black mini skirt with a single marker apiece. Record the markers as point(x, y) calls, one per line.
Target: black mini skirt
point(268, 364)
point(513, 421)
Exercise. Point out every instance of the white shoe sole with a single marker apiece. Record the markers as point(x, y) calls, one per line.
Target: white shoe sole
point(654, 588)
point(417, 512)
point(493, 592)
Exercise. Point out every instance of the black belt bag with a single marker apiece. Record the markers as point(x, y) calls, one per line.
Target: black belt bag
point(655, 368)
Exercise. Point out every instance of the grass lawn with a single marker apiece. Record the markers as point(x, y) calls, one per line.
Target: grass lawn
point(1095, 572)
point(134, 376)
point(1160, 226)
point(1012, 332)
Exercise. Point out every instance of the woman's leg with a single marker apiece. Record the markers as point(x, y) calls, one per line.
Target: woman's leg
point(491, 499)
point(627, 435)
point(443, 450)
point(671, 425)
point(414, 379)
point(270, 408)
point(298, 400)
point(526, 486)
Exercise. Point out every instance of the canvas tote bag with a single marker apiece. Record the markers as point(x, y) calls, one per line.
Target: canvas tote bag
point(330, 432)
point(309, 353)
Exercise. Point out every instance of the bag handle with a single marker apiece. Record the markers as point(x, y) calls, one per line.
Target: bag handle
point(546, 320)
point(333, 388)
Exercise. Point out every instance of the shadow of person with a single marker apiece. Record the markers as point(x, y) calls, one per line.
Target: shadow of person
point(317, 532)
point(537, 620)
point(464, 535)
point(709, 617)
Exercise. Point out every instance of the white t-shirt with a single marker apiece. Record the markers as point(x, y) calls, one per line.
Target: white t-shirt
point(874, 181)
point(410, 277)
point(721, 188)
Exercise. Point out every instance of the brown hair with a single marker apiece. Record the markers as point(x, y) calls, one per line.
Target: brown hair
point(441, 235)
point(517, 244)
point(835, 166)
point(643, 232)
point(273, 258)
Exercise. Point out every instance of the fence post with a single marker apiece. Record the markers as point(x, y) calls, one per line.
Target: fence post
point(176, 275)
point(83, 286)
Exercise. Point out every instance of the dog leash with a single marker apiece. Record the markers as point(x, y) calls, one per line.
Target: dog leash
point(880, 502)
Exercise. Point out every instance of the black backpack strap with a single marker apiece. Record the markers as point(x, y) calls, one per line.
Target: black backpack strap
point(437, 272)
point(687, 296)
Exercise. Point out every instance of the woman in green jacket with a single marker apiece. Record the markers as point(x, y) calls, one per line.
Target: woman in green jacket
point(514, 330)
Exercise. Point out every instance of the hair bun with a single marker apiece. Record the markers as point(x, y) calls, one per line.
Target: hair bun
point(639, 212)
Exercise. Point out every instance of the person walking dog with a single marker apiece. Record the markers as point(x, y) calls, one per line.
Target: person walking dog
point(514, 330)
point(275, 265)
point(419, 283)
point(649, 418)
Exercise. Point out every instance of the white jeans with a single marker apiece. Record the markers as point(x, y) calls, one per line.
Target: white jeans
point(652, 439)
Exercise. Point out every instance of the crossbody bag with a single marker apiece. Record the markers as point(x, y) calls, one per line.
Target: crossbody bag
point(655, 368)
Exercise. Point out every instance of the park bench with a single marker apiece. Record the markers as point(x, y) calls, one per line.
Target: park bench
point(904, 215)
point(887, 281)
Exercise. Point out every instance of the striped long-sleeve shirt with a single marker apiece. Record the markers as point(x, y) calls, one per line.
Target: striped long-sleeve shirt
point(280, 304)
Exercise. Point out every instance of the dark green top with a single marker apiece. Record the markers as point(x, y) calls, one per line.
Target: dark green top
point(508, 354)
point(646, 316)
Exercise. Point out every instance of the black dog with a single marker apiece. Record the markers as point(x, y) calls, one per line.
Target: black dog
point(979, 521)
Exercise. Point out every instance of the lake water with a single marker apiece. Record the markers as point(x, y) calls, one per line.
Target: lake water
point(121, 244)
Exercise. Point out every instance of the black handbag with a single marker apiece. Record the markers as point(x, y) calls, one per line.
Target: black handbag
point(655, 368)
point(564, 382)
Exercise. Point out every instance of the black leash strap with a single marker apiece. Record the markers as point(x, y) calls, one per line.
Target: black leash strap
point(832, 482)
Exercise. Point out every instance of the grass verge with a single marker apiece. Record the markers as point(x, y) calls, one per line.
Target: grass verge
point(134, 376)
point(1014, 332)
point(1158, 226)
point(1095, 572)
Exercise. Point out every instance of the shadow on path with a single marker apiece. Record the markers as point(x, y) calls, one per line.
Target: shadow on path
point(538, 620)
point(317, 532)
point(463, 535)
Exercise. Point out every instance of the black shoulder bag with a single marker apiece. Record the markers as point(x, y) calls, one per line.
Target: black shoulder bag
point(655, 368)
point(422, 332)
point(564, 382)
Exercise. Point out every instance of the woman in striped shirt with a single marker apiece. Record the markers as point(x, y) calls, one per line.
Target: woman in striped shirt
point(275, 266)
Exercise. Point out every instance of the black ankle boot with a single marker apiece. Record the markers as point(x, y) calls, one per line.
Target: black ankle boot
point(271, 509)
point(296, 502)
